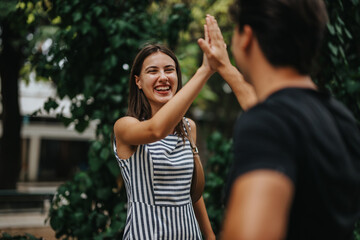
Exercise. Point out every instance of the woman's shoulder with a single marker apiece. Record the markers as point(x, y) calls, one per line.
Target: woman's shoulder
point(124, 123)
point(125, 120)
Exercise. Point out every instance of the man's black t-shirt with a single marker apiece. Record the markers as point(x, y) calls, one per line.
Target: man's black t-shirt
point(314, 140)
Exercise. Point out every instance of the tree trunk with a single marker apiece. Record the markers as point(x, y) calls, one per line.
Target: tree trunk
point(11, 60)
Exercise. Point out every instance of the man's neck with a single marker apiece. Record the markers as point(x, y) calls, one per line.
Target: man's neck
point(270, 80)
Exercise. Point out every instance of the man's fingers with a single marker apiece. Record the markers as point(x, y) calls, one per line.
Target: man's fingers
point(214, 32)
point(211, 28)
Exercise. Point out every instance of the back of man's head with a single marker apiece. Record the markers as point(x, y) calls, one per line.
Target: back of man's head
point(289, 32)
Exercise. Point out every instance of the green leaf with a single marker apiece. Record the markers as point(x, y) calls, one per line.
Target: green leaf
point(117, 98)
point(342, 53)
point(85, 28)
point(84, 181)
point(117, 224)
point(340, 21)
point(78, 216)
point(56, 223)
point(333, 49)
point(56, 20)
point(98, 10)
point(77, 16)
point(30, 19)
point(338, 29)
point(97, 145)
point(101, 220)
point(50, 104)
point(331, 29)
point(353, 86)
point(95, 164)
point(31, 237)
point(66, 120)
point(103, 193)
point(348, 34)
point(105, 153)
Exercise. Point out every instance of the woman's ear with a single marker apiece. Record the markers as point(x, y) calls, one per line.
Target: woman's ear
point(138, 82)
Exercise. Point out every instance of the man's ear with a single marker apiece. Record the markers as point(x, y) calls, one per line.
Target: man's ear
point(247, 36)
point(137, 81)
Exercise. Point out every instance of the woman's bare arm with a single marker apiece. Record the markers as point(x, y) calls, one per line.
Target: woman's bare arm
point(131, 131)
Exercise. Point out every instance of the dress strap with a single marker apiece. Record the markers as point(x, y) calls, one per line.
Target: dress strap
point(189, 136)
point(186, 123)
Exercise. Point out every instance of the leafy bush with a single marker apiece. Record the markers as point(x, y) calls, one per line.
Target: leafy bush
point(339, 69)
point(218, 161)
point(27, 236)
point(357, 231)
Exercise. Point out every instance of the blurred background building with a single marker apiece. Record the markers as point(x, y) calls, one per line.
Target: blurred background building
point(51, 154)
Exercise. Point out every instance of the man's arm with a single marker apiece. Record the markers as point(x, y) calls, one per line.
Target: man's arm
point(217, 57)
point(258, 206)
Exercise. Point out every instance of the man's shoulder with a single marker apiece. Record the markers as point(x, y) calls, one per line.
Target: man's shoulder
point(262, 121)
point(285, 110)
point(264, 113)
point(297, 105)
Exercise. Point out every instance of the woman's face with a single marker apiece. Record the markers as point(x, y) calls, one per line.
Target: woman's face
point(158, 79)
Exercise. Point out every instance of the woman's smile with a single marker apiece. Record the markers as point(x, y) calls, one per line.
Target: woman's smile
point(163, 89)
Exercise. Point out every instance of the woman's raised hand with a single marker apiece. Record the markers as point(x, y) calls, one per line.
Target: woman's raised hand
point(205, 62)
point(213, 46)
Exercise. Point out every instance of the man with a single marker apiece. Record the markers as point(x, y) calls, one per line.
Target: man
point(296, 170)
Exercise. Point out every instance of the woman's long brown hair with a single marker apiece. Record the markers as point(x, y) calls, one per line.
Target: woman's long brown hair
point(138, 105)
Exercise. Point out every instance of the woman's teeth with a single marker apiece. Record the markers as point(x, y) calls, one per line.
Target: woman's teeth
point(162, 88)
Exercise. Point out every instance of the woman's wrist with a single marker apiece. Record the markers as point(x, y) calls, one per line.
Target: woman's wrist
point(206, 70)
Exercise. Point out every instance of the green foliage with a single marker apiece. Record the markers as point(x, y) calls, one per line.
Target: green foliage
point(23, 18)
point(357, 231)
point(6, 7)
point(84, 200)
point(339, 70)
point(190, 56)
point(27, 236)
point(218, 163)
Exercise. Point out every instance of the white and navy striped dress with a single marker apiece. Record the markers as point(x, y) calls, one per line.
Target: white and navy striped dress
point(157, 179)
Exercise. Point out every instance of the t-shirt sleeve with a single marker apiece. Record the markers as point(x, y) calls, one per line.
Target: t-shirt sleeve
point(263, 140)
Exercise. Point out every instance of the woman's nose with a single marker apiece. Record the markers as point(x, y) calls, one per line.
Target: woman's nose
point(163, 76)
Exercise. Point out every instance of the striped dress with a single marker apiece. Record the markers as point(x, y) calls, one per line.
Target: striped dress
point(157, 179)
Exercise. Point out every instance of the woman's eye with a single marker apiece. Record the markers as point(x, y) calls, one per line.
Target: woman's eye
point(169, 70)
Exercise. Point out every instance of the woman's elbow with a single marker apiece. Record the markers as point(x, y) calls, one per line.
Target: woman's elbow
point(158, 132)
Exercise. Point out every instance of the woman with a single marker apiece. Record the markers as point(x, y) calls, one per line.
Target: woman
point(153, 152)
